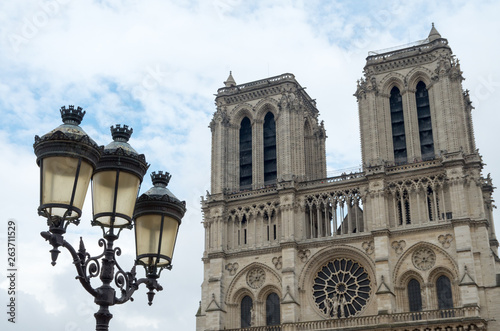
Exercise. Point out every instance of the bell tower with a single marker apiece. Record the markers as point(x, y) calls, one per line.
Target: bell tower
point(412, 106)
point(264, 132)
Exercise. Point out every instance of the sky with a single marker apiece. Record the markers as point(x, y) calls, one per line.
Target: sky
point(155, 66)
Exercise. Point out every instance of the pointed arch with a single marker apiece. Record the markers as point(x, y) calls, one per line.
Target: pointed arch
point(419, 74)
point(391, 80)
point(245, 154)
point(414, 295)
point(444, 292)
point(273, 313)
point(264, 106)
point(308, 149)
point(424, 121)
point(445, 264)
point(270, 162)
point(398, 126)
point(237, 114)
point(239, 285)
point(246, 310)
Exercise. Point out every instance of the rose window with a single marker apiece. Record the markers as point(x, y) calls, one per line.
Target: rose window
point(341, 288)
point(256, 277)
point(424, 258)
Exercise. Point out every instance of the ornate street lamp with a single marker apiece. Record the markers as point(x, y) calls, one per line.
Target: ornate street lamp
point(68, 159)
point(157, 217)
point(67, 156)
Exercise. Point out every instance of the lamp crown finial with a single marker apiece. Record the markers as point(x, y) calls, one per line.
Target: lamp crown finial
point(161, 178)
point(120, 133)
point(72, 115)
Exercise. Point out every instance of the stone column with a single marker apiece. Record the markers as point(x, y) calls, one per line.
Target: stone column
point(386, 302)
point(466, 266)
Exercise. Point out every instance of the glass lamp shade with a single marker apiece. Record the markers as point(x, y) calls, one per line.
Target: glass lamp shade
point(67, 157)
point(155, 239)
point(64, 184)
point(157, 218)
point(113, 195)
point(116, 181)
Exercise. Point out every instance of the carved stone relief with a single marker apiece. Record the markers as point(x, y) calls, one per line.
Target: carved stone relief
point(256, 277)
point(445, 240)
point(398, 246)
point(277, 262)
point(304, 254)
point(424, 258)
point(232, 267)
point(369, 247)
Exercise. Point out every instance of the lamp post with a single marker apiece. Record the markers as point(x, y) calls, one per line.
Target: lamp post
point(69, 159)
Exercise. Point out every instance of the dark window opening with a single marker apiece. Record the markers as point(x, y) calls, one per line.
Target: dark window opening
point(403, 207)
point(246, 312)
point(444, 296)
point(245, 154)
point(270, 164)
point(429, 208)
point(431, 199)
point(274, 231)
point(414, 295)
point(407, 210)
point(400, 213)
point(398, 126)
point(424, 122)
point(273, 309)
point(245, 236)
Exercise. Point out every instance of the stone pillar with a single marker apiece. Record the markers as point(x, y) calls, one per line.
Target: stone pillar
point(290, 308)
point(215, 313)
point(386, 302)
point(466, 265)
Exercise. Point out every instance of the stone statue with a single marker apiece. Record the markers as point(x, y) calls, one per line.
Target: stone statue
point(333, 304)
point(252, 316)
point(342, 305)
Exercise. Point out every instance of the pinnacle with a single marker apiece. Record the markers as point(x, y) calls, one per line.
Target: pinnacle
point(434, 34)
point(230, 80)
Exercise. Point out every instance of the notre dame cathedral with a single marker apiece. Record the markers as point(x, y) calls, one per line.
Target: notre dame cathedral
point(408, 243)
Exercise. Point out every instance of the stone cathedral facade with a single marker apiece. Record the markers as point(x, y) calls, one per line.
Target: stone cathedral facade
point(408, 243)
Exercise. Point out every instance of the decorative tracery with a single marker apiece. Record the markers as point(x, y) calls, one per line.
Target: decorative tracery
point(256, 277)
point(334, 213)
point(421, 198)
point(341, 288)
point(265, 217)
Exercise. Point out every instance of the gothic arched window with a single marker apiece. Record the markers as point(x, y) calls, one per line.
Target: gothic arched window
point(308, 150)
point(246, 312)
point(432, 204)
point(424, 122)
point(403, 208)
point(245, 154)
point(273, 309)
point(270, 166)
point(398, 126)
point(443, 290)
point(414, 295)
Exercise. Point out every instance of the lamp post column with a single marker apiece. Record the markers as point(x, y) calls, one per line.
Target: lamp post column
point(105, 293)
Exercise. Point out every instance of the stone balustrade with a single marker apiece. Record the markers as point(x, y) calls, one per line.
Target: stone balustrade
point(431, 320)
